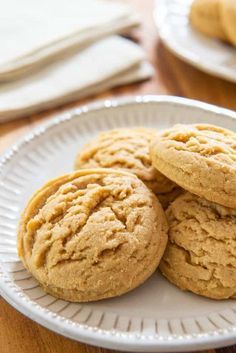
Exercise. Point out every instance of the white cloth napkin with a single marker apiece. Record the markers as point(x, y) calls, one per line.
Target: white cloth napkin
point(33, 33)
point(107, 63)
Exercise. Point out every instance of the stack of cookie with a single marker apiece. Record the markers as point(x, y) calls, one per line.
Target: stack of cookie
point(101, 231)
point(201, 252)
point(215, 18)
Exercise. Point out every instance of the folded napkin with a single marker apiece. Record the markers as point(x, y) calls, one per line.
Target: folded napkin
point(107, 63)
point(33, 33)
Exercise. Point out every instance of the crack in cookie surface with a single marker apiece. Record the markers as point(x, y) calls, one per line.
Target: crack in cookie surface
point(126, 149)
point(200, 158)
point(209, 141)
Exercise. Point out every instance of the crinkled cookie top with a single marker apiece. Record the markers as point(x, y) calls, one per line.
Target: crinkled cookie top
point(94, 232)
point(201, 253)
point(206, 140)
point(126, 149)
point(200, 158)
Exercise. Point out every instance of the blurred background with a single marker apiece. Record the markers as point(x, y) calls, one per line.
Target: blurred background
point(58, 54)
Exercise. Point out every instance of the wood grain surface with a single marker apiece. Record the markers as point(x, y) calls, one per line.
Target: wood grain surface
point(19, 334)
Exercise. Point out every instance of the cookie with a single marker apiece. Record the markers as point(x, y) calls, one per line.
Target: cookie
point(126, 149)
point(92, 234)
point(228, 19)
point(205, 17)
point(201, 251)
point(200, 158)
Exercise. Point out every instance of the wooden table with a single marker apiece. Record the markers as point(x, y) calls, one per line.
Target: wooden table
point(173, 77)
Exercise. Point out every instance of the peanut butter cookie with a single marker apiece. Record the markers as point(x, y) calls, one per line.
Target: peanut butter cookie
point(205, 17)
point(92, 234)
point(201, 252)
point(200, 158)
point(126, 149)
point(228, 19)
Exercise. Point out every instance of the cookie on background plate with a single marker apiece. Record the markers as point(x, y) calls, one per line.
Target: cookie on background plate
point(92, 234)
point(205, 17)
point(201, 251)
point(200, 158)
point(126, 149)
point(228, 19)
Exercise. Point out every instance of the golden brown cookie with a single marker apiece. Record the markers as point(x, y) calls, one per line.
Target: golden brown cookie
point(92, 234)
point(205, 17)
point(200, 158)
point(126, 149)
point(201, 252)
point(228, 19)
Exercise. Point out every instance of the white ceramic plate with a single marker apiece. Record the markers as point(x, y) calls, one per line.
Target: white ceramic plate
point(207, 54)
point(157, 317)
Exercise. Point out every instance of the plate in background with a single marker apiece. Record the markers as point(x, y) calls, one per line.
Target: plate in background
point(207, 54)
point(156, 317)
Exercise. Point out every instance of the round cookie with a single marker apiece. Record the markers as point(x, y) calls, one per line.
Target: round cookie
point(201, 251)
point(205, 17)
point(92, 234)
point(201, 158)
point(228, 19)
point(126, 149)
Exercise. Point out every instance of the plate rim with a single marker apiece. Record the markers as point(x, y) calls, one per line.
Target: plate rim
point(102, 337)
point(186, 55)
point(108, 104)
